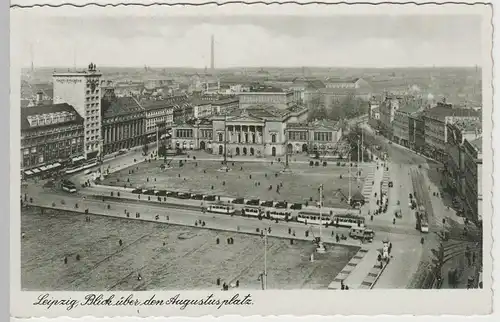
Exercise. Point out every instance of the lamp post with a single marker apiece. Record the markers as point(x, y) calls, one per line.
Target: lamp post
point(321, 247)
point(224, 167)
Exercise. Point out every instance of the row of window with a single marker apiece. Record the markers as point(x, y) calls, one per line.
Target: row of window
point(184, 133)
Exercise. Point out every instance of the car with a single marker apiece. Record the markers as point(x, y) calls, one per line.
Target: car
point(240, 201)
point(137, 190)
point(183, 195)
point(391, 184)
point(172, 194)
point(209, 198)
point(267, 203)
point(149, 192)
point(196, 196)
point(281, 204)
point(161, 193)
point(296, 206)
point(253, 202)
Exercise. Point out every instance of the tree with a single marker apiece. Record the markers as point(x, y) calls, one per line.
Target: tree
point(162, 150)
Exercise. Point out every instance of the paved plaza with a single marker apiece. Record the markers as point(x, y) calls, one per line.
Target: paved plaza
point(247, 179)
point(166, 256)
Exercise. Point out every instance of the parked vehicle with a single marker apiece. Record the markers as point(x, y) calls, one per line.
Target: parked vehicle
point(239, 201)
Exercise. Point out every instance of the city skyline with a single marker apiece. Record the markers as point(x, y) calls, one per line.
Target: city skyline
point(346, 41)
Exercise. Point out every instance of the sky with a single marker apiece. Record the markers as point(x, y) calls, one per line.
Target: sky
point(248, 41)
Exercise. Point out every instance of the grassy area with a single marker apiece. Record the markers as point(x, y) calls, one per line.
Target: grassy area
point(167, 257)
point(203, 177)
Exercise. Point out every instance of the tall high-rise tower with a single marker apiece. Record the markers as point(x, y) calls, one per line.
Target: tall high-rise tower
point(81, 89)
point(212, 53)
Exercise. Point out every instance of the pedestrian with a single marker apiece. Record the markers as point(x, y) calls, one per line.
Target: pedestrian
point(65, 260)
point(393, 221)
point(77, 257)
point(217, 241)
point(347, 287)
point(289, 231)
point(237, 283)
point(293, 233)
point(139, 277)
point(120, 242)
point(203, 224)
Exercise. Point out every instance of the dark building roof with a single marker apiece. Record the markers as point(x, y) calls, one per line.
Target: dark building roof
point(155, 105)
point(120, 106)
point(441, 111)
point(49, 109)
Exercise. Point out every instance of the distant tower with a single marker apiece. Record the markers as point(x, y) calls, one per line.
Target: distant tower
point(212, 53)
point(32, 63)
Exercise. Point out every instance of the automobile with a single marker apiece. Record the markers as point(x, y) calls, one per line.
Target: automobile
point(171, 194)
point(253, 202)
point(296, 206)
point(209, 198)
point(390, 142)
point(183, 195)
point(378, 148)
point(267, 203)
point(410, 196)
point(161, 193)
point(391, 184)
point(240, 201)
point(137, 190)
point(196, 196)
point(149, 192)
point(281, 204)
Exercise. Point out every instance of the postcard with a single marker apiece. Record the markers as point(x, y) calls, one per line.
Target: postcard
point(251, 159)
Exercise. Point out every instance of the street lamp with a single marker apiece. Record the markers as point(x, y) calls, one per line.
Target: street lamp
point(321, 247)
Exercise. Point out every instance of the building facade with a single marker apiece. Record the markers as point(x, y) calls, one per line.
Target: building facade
point(473, 166)
point(319, 136)
point(274, 97)
point(50, 135)
point(82, 91)
point(255, 131)
point(124, 124)
point(159, 117)
point(436, 120)
point(401, 124)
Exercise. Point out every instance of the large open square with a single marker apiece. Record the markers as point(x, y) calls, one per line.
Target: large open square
point(247, 179)
point(167, 257)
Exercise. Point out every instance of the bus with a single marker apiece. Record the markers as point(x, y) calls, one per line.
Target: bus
point(314, 218)
point(221, 208)
point(422, 221)
point(68, 186)
point(348, 220)
point(251, 211)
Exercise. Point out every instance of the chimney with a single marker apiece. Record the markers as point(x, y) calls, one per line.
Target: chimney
point(39, 97)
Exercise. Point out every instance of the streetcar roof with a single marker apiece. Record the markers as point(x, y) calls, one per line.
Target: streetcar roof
point(351, 216)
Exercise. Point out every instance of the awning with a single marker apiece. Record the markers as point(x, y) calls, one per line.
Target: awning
point(35, 170)
point(55, 165)
point(43, 168)
point(28, 172)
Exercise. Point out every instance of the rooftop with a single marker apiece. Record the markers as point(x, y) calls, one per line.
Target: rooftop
point(265, 89)
point(441, 111)
point(469, 125)
point(49, 115)
point(342, 81)
point(325, 124)
point(120, 106)
point(478, 144)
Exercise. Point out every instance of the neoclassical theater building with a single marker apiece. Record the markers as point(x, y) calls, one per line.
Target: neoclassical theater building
point(255, 131)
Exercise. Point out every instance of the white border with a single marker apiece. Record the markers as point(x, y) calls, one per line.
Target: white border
point(296, 303)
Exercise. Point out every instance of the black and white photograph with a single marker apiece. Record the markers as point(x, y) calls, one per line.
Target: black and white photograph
point(255, 152)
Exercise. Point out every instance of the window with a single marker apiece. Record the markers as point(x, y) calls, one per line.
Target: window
point(220, 137)
point(273, 138)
